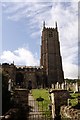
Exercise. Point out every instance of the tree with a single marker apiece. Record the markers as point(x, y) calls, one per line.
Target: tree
point(5, 93)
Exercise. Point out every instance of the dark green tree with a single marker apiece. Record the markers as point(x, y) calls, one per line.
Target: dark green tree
point(5, 93)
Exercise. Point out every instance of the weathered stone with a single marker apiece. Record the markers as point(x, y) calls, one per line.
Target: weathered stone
point(59, 98)
point(69, 113)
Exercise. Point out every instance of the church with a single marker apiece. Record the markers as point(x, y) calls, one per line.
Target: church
point(50, 70)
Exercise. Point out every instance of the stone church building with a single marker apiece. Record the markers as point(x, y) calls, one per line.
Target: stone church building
point(50, 70)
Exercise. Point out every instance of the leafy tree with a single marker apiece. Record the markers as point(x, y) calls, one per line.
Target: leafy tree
point(5, 93)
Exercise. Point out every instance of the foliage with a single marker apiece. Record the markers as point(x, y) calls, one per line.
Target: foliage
point(71, 80)
point(5, 93)
point(74, 100)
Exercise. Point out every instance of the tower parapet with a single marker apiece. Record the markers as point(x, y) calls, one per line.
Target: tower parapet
point(49, 28)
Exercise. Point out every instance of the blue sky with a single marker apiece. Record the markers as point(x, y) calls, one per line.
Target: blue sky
point(18, 34)
point(21, 32)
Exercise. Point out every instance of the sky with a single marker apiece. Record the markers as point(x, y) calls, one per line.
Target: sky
point(22, 24)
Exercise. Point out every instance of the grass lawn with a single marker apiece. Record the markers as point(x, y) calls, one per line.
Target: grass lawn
point(43, 93)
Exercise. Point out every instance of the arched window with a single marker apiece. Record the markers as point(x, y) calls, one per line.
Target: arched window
point(50, 34)
point(19, 78)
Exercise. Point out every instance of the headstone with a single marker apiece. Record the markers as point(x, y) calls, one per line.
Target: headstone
point(76, 87)
point(9, 85)
point(57, 85)
point(62, 86)
point(53, 86)
point(65, 85)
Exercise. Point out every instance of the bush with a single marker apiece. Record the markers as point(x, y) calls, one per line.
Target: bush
point(5, 94)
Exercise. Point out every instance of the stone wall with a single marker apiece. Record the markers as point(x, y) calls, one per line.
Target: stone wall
point(19, 109)
point(69, 112)
point(21, 97)
point(58, 98)
point(27, 73)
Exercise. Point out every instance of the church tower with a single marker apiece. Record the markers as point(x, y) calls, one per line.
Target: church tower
point(50, 55)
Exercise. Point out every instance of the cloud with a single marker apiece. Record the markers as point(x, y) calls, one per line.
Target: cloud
point(67, 19)
point(17, 11)
point(39, 1)
point(21, 56)
point(71, 70)
point(66, 14)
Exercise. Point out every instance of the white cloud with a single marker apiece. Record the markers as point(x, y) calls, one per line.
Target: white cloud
point(71, 70)
point(21, 56)
point(39, 1)
point(67, 18)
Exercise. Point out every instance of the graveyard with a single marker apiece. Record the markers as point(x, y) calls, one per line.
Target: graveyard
point(40, 92)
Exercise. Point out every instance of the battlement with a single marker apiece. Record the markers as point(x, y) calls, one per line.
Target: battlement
point(29, 68)
point(49, 28)
point(21, 66)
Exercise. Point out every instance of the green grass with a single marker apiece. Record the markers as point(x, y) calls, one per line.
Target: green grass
point(74, 101)
point(43, 93)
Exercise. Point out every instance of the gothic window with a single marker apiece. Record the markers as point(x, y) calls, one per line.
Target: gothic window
point(50, 34)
